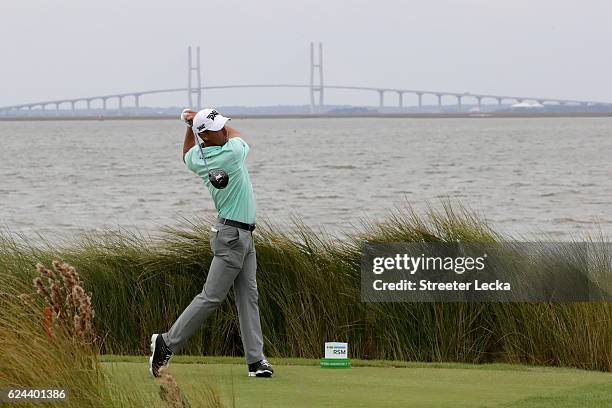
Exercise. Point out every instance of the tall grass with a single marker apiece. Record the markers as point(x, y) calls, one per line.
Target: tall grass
point(39, 353)
point(309, 286)
point(47, 342)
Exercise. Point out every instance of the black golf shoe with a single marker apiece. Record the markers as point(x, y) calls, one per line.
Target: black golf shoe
point(160, 354)
point(261, 369)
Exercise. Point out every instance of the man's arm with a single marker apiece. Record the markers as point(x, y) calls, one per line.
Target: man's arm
point(187, 116)
point(238, 147)
point(231, 132)
point(189, 142)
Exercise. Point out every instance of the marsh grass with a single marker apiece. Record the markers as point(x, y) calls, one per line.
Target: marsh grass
point(47, 341)
point(309, 285)
point(40, 353)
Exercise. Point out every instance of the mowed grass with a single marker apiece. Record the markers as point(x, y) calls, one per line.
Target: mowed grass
point(301, 383)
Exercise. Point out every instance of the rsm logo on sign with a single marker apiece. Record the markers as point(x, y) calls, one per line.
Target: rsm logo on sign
point(336, 350)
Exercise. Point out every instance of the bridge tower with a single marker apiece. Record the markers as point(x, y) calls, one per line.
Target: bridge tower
point(319, 87)
point(193, 75)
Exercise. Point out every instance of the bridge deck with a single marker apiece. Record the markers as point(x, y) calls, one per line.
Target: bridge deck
point(440, 94)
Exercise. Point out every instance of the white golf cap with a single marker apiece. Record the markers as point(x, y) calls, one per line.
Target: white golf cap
point(208, 119)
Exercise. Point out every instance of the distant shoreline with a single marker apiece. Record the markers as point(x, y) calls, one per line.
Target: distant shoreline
point(337, 115)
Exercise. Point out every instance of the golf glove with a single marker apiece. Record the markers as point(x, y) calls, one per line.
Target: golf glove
point(183, 116)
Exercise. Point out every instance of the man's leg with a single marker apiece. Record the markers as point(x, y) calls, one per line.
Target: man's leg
point(220, 277)
point(245, 288)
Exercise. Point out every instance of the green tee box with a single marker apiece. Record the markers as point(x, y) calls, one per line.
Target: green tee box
point(335, 363)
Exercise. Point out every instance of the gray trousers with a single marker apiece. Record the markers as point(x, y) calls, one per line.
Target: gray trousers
point(233, 263)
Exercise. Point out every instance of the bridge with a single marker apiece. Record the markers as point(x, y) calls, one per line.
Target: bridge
point(316, 88)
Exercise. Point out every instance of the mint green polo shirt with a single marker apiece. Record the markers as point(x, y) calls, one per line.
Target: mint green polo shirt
point(236, 201)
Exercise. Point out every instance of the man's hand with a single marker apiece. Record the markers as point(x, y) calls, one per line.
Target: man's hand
point(187, 116)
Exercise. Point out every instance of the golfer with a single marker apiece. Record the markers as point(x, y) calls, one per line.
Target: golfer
point(223, 170)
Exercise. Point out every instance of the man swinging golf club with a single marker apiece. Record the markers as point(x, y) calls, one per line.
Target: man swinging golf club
point(220, 162)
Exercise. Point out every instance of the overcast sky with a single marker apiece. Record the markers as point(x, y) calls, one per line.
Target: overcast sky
point(74, 48)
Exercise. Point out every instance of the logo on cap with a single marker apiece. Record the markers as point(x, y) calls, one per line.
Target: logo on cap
point(212, 115)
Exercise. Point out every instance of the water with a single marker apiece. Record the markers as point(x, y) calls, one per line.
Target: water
point(541, 177)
